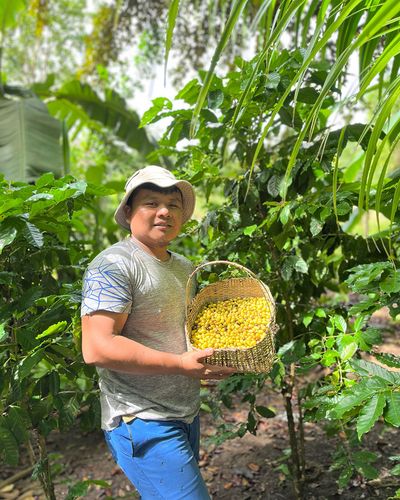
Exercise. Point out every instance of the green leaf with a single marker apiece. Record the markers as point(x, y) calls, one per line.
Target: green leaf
point(8, 446)
point(159, 104)
point(30, 140)
point(391, 284)
point(249, 230)
point(301, 265)
point(29, 362)
point(215, 98)
point(364, 457)
point(7, 236)
point(370, 413)
point(284, 214)
point(395, 471)
point(354, 397)
point(388, 359)
point(348, 351)
point(272, 80)
point(292, 351)
point(18, 421)
point(330, 357)
point(351, 171)
point(51, 330)
point(3, 332)
point(45, 180)
point(274, 185)
point(320, 313)
point(40, 196)
point(33, 235)
point(392, 414)
point(172, 15)
point(308, 95)
point(368, 471)
point(307, 318)
point(340, 323)
point(9, 11)
point(372, 336)
point(367, 368)
point(293, 263)
point(190, 92)
point(315, 226)
point(343, 208)
point(265, 412)
point(345, 476)
point(80, 489)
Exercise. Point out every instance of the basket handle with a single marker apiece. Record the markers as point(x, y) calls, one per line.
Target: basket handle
point(234, 264)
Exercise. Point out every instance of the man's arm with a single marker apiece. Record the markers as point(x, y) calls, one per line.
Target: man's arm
point(104, 346)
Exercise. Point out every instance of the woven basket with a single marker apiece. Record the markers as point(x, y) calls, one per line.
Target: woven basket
point(256, 359)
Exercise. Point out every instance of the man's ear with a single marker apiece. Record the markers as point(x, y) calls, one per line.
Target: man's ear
point(127, 212)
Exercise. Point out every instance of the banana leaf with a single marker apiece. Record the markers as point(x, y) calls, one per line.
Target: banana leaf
point(29, 140)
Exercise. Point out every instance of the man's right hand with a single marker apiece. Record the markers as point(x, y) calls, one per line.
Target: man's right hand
point(192, 365)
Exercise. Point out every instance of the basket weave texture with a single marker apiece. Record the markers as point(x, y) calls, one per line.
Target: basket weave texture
point(256, 359)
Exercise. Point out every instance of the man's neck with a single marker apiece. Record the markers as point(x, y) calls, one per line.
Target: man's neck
point(160, 253)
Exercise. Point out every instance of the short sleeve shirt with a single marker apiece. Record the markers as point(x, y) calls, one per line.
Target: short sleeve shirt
point(126, 279)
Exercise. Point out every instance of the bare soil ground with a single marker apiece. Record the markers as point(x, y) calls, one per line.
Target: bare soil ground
point(240, 469)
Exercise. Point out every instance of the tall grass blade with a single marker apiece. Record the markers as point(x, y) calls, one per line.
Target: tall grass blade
point(394, 132)
point(172, 15)
point(229, 26)
point(379, 191)
point(382, 117)
point(391, 51)
point(335, 187)
point(306, 20)
point(310, 56)
point(386, 12)
point(261, 13)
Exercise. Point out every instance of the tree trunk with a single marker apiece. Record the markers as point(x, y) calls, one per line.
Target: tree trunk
point(42, 465)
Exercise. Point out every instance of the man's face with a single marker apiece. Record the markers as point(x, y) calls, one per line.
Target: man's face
point(155, 218)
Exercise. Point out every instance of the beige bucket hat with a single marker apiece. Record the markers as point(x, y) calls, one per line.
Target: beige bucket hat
point(163, 178)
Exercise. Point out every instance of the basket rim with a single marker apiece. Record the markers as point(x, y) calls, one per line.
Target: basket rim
point(188, 299)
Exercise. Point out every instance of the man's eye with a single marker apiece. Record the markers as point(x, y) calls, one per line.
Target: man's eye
point(150, 204)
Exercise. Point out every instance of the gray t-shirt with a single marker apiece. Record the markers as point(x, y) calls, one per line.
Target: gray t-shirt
point(125, 279)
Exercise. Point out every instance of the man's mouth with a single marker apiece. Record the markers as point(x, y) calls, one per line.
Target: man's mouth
point(163, 225)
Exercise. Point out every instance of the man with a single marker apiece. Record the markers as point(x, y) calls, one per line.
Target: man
point(133, 331)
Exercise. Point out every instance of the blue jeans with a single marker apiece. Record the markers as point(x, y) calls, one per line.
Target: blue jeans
point(160, 458)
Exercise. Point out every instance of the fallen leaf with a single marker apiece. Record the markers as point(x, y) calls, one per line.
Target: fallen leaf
point(28, 495)
point(7, 488)
point(12, 495)
point(213, 470)
point(254, 467)
point(115, 471)
point(228, 486)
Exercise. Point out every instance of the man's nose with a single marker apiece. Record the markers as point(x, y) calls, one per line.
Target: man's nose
point(163, 210)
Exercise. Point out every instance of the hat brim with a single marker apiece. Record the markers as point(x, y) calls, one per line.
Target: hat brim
point(188, 199)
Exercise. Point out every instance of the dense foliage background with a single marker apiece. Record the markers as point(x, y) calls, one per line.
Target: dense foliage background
point(288, 129)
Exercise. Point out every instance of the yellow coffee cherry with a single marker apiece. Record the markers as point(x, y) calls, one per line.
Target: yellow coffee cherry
point(239, 322)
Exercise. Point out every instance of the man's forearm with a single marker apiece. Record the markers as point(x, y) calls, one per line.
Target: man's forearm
point(121, 354)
